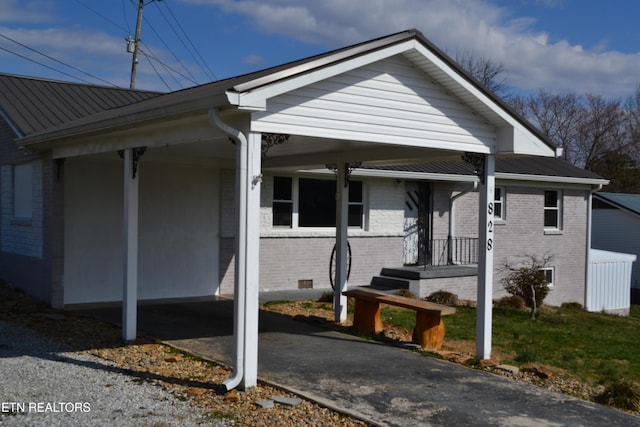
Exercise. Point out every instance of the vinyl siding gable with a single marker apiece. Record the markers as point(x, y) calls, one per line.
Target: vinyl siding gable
point(387, 102)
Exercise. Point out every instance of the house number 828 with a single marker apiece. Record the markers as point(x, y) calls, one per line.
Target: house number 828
point(490, 227)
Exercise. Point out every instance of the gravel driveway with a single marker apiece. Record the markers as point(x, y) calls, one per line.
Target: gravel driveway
point(42, 385)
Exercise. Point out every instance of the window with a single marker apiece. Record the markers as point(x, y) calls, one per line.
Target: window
point(23, 191)
point(282, 201)
point(498, 203)
point(552, 210)
point(548, 275)
point(314, 203)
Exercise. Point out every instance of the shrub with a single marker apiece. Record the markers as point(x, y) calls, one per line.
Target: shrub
point(443, 297)
point(405, 293)
point(512, 301)
point(573, 306)
point(326, 297)
point(622, 394)
point(528, 282)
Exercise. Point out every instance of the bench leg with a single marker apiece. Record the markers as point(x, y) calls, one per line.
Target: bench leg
point(429, 331)
point(366, 318)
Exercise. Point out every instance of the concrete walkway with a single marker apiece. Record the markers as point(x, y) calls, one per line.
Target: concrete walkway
point(385, 385)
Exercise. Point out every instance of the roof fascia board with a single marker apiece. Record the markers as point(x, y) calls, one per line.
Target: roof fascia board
point(254, 95)
point(406, 175)
point(429, 176)
point(68, 134)
point(473, 89)
point(549, 178)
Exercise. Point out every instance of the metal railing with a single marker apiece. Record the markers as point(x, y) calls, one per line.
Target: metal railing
point(454, 251)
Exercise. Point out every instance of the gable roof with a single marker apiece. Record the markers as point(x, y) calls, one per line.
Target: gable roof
point(549, 169)
point(250, 91)
point(31, 105)
point(628, 202)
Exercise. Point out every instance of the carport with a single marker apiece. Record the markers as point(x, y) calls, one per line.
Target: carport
point(397, 99)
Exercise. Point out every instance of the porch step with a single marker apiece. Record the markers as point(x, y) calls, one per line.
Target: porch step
point(388, 283)
point(403, 273)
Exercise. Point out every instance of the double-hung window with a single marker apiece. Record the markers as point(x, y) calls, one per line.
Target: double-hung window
point(311, 202)
point(499, 204)
point(552, 210)
point(548, 275)
point(282, 201)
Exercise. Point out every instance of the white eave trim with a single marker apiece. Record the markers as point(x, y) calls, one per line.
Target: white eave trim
point(253, 95)
point(429, 176)
point(548, 178)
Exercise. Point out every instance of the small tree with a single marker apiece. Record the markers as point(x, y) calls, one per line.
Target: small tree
point(528, 281)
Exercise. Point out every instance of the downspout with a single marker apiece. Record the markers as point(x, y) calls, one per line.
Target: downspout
point(452, 219)
point(587, 276)
point(239, 289)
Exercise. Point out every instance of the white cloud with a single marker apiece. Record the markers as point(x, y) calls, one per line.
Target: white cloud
point(477, 26)
point(26, 11)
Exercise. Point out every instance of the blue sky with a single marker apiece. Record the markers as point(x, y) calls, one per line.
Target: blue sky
point(557, 45)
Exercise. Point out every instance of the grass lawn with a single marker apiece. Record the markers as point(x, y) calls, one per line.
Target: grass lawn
point(593, 346)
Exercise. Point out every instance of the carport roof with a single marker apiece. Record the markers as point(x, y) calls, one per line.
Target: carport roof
point(219, 93)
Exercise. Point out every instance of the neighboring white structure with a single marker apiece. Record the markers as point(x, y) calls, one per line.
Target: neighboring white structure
point(616, 227)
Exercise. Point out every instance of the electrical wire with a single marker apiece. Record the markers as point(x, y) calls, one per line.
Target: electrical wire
point(55, 60)
point(44, 65)
point(156, 71)
point(192, 78)
point(170, 71)
point(100, 15)
point(202, 61)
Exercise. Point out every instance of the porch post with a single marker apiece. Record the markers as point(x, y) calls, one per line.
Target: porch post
point(342, 228)
point(130, 279)
point(485, 261)
point(252, 259)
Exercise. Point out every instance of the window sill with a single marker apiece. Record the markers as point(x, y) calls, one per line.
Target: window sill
point(553, 232)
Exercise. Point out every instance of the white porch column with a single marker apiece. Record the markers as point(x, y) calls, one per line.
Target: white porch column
point(342, 228)
point(485, 261)
point(130, 279)
point(252, 258)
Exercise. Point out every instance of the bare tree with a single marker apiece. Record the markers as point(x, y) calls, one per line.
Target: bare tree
point(600, 130)
point(557, 117)
point(486, 71)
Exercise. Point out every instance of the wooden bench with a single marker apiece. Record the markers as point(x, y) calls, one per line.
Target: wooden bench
point(429, 330)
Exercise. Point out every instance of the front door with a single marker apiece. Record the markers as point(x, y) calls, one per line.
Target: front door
point(416, 223)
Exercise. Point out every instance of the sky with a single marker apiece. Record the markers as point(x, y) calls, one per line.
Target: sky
point(581, 46)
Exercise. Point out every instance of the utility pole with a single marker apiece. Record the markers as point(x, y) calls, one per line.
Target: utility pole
point(136, 46)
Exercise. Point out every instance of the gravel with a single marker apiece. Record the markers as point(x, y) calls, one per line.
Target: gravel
point(41, 384)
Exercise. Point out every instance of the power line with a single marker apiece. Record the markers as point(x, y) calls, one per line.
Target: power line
point(44, 65)
point(192, 77)
point(167, 67)
point(155, 70)
point(100, 15)
point(53, 59)
point(202, 61)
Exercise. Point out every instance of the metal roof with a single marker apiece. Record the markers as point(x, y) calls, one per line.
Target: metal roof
point(32, 105)
point(629, 202)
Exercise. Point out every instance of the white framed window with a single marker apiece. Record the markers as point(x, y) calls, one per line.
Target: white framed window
point(282, 201)
point(499, 204)
point(549, 275)
point(23, 191)
point(311, 203)
point(552, 210)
